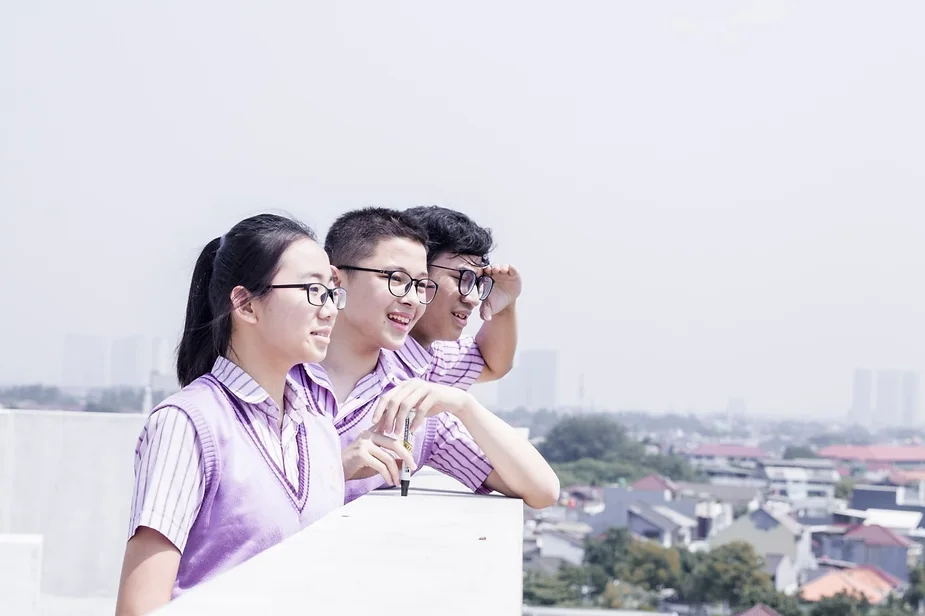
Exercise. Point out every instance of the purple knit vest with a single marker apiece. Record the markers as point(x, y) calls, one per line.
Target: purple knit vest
point(245, 508)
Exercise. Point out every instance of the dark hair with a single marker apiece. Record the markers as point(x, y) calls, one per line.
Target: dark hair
point(248, 256)
point(452, 232)
point(354, 235)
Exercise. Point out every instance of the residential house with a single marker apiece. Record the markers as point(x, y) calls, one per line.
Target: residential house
point(870, 545)
point(560, 544)
point(723, 454)
point(731, 475)
point(893, 498)
point(742, 498)
point(863, 455)
point(717, 505)
point(782, 542)
point(661, 524)
point(865, 581)
point(910, 478)
point(808, 484)
point(662, 511)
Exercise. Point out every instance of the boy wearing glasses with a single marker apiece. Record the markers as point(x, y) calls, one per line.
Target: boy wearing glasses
point(457, 257)
point(381, 257)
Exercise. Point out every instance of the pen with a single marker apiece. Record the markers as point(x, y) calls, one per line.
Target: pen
point(405, 469)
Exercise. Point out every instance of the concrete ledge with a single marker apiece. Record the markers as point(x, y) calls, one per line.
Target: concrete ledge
point(20, 574)
point(441, 550)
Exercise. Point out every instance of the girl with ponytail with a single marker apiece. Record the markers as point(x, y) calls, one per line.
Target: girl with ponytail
point(241, 458)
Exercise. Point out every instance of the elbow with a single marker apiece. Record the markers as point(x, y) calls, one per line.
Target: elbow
point(545, 495)
point(496, 370)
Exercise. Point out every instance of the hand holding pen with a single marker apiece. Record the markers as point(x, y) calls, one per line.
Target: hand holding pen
point(424, 399)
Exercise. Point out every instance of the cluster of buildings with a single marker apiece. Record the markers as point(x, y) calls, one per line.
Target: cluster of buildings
point(814, 538)
point(94, 362)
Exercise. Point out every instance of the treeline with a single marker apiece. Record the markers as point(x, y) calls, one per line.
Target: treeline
point(108, 400)
point(622, 573)
point(595, 450)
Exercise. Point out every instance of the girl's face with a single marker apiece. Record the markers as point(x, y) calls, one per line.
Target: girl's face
point(293, 329)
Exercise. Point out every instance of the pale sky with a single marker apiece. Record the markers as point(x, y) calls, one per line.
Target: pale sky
point(707, 200)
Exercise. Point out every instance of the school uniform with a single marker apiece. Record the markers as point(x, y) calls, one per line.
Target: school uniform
point(218, 476)
point(442, 442)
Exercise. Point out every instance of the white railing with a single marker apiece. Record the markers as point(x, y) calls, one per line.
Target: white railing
point(440, 550)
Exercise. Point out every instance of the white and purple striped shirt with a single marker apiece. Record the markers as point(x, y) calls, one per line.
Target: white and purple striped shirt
point(456, 363)
point(170, 472)
point(447, 446)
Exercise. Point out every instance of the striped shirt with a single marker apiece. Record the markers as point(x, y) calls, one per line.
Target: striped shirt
point(456, 363)
point(443, 442)
point(169, 467)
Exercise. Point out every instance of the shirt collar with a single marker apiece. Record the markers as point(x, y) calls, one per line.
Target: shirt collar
point(245, 388)
point(388, 370)
point(415, 356)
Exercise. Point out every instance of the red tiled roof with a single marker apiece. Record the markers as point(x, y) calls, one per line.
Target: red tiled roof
point(864, 581)
point(730, 451)
point(899, 477)
point(759, 610)
point(874, 453)
point(875, 535)
point(654, 482)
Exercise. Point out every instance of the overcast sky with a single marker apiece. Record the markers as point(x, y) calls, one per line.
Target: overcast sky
point(707, 200)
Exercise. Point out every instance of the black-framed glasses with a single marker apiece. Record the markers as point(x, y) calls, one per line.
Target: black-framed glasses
point(400, 282)
point(469, 280)
point(318, 294)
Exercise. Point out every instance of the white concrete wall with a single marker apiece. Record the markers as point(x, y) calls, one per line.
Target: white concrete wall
point(20, 574)
point(440, 550)
point(67, 476)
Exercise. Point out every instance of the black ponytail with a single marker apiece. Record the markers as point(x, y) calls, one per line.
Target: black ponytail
point(248, 256)
point(200, 347)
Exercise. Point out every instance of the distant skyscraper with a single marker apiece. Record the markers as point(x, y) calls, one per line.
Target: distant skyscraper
point(131, 359)
point(162, 357)
point(532, 383)
point(163, 373)
point(889, 397)
point(511, 391)
point(910, 404)
point(862, 396)
point(86, 361)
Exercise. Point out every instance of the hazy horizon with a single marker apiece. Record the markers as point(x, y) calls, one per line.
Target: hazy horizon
point(707, 201)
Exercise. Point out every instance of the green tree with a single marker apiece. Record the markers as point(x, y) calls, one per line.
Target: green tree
point(915, 594)
point(793, 452)
point(844, 488)
point(841, 604)
point(649, 566)
point(778, 601)
point(546, 589)
point(605, 552)
point(574, 438)
point(622, 596)
point(730, 574)
point(892, 610)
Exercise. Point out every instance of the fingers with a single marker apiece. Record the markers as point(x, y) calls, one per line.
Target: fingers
point(387, 402)
point(485, 310)
point(407, 405)
point(384, 464)
point(424, 410)
point(504, 269)
point(394, 406)
point(394, 446)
